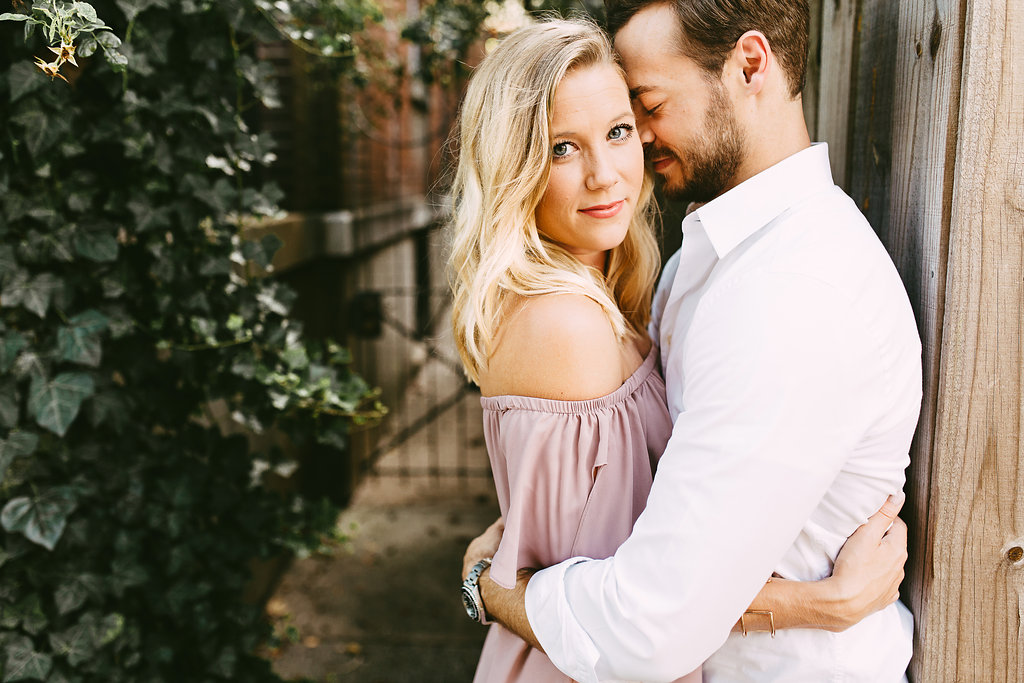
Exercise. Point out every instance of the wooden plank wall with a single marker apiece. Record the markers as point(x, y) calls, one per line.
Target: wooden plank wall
point(833, 90)
point(928, 57)
point(922, 103)
point(978, 462)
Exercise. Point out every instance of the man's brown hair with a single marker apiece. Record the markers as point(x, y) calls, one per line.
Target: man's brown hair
point(710, 29)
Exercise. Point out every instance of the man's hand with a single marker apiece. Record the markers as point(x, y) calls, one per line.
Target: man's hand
point(869, 569)
point(484, 545)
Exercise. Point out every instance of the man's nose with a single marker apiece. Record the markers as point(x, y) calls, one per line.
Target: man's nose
point(643, 129)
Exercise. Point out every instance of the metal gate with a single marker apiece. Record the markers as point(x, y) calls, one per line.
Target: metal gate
point(433, 429)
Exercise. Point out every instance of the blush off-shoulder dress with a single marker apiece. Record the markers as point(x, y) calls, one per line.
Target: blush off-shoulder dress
point(572, 477)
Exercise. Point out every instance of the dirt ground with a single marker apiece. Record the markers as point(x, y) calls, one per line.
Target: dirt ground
point(385, 608)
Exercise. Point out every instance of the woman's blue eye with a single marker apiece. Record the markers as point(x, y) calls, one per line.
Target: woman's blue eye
point(620, 131)
point(561, 149)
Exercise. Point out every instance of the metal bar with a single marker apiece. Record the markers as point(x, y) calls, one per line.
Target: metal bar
point(410, 429)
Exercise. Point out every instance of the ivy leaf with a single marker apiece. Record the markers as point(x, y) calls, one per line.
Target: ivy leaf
point(41, 132)
point(72, 593)
point(39, 293)
point(109, 629)
point(80, 642)
point(96, 246)
point(41, 519)
point(18, 444)
point(29, 364)
point(148, 216)
point(132, 8)
point(76, 644)
point(34, 294)
point(54, 404)
point(24, 663)
point(11, 344)
point(225, 663)
point(125, 574)
point(80, 342)
point(58, 676)
point(110, 409)
point(295, 357)
point(29, 612)
point(7, 262)
point(9, 411)
point(13, 292)
point(205, 328)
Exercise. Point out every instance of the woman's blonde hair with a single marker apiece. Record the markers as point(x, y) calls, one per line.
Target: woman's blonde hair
point(504, 151)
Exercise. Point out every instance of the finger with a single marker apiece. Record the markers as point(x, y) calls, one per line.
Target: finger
point(892, 506)
point(881, 521)
point(897, 532)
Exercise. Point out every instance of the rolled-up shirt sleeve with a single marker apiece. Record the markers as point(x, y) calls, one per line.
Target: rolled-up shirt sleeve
point(774, 400)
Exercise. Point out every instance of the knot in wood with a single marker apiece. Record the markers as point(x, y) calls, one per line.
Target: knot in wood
point(935, 39)
point(1015, 554)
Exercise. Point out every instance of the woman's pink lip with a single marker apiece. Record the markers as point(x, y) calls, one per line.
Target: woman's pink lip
point(604, 210)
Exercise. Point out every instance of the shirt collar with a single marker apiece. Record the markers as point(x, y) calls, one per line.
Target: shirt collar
point(739, 213)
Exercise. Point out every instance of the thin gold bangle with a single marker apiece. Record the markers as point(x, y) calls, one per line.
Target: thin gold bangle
point(771, 620)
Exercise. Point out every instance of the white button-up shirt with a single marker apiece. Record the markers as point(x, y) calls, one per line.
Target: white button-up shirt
point(793, 367)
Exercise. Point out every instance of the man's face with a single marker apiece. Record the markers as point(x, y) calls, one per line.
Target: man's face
point(686, 120)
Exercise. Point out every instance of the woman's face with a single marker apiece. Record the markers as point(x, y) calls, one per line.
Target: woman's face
point(597, 165)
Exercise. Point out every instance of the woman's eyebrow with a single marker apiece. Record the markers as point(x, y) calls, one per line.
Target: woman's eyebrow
point(572, 133)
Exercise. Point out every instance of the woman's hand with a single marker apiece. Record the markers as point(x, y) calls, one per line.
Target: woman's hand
point(865, 578)
point(868, 571)
point(484, 545)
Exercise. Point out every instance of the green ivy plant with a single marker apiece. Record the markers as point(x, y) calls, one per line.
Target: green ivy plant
point(63, 23)
point(143, 352)
point(447, 29)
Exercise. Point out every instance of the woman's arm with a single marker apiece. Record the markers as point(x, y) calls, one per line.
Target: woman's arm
point(865, 578)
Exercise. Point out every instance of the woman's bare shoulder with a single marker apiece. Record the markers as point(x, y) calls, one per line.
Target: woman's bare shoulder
point(557, 346)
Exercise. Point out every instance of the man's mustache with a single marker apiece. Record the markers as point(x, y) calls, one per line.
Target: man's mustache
point(653, 153)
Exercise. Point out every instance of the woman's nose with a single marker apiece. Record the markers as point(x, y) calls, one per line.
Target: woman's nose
point(601, 171)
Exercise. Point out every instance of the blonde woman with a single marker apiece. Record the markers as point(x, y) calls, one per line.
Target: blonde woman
point(553, 262)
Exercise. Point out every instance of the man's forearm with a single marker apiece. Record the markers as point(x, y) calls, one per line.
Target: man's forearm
point(508, 607)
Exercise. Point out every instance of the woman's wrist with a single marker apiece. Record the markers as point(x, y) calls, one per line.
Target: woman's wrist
point(824, 605)
point(830, 606)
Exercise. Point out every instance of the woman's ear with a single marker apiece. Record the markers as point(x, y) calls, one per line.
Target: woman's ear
point(754, 57)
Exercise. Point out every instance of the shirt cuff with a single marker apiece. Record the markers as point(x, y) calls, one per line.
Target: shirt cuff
point(564, 641)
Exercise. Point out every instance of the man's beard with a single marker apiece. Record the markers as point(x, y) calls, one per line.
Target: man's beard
point(712, 159)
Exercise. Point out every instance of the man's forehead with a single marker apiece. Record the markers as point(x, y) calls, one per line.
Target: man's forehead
point(647, 46)
point(639, 90)
point(651, 31)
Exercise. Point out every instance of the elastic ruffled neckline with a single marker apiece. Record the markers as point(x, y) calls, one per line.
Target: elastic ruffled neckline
point(552, 405)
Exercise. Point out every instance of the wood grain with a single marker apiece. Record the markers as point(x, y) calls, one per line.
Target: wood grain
point(972, 622)
point(922, 102)
point(838, 23)
point(813, 79)
point(928, 50)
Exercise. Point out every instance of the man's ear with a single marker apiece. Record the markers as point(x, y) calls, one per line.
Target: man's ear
point(754, 56)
